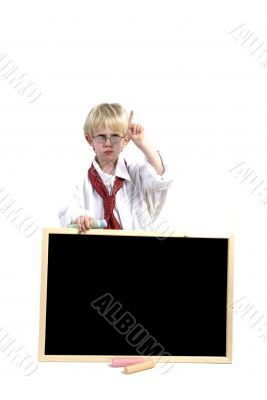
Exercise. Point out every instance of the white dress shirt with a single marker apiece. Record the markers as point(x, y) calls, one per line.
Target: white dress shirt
point(138, 202)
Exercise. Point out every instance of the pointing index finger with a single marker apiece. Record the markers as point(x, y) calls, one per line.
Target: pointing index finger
point(131, 117)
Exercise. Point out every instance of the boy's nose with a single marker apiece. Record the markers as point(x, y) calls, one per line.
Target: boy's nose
point(106, 141)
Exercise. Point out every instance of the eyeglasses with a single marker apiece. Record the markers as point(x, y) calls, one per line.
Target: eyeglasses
point(114, 139)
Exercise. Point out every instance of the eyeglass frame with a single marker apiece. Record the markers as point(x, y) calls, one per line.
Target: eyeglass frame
point(103, 138)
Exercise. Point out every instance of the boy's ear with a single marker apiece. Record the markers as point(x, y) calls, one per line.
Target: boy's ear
point(89, 139)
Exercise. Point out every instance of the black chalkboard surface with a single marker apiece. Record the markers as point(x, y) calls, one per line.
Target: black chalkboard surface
point(119, 293)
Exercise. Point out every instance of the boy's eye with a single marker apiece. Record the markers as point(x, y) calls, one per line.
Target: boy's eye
point(115, 138)
point(100, 138)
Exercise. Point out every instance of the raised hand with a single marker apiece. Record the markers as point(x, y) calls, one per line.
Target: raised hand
point(136, 134)
point(135, 131)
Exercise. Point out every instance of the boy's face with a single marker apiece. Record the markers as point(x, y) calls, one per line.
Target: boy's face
point(107, 145)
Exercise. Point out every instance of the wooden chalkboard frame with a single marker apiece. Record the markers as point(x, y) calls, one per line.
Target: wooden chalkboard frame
point(164, 359)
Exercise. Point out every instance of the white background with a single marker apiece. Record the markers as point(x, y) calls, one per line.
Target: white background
point(201, 97)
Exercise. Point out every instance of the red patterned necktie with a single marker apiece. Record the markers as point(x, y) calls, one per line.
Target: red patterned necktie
point(108, 200)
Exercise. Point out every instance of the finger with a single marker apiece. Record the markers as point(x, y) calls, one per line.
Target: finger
point(81, 224)
point(87, 223)
point(83, 227)
point(134, 126)
point(138, 129)
point(131, 117)
point(130, 129)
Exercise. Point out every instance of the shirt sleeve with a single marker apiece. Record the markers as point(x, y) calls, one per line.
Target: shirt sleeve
point(73, 208)
point(153, 186)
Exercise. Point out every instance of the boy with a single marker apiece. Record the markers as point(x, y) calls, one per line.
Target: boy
point(127, 196)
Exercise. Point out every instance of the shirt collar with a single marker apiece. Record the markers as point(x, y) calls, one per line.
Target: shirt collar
point(121, 169)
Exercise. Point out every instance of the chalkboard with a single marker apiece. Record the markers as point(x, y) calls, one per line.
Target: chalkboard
point(113, 293)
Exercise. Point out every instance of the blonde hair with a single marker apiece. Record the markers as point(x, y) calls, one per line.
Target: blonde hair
point(105, 115)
